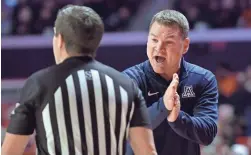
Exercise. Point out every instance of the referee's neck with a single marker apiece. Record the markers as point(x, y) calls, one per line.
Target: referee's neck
point(66, 55)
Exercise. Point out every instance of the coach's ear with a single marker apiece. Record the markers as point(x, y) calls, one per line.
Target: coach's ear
point(186, 44)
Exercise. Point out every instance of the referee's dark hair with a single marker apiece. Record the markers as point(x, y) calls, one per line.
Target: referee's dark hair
point(81, 29)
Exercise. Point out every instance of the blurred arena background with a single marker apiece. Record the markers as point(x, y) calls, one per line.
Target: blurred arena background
point(221, 42)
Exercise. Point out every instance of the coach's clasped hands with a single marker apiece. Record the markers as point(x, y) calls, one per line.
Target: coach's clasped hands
point(172, 99)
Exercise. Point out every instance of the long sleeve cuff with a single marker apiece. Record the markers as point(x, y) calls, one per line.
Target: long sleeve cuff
point(162, 107)
point(158, 113)
point(180, 121)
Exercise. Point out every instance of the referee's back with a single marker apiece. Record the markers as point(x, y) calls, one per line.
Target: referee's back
point(79, 106)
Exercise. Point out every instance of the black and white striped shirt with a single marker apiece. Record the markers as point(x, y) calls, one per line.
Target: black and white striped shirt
point(79, 107)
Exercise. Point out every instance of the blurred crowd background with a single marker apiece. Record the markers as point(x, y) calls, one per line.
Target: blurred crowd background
point(229, 60)
point(21, 17)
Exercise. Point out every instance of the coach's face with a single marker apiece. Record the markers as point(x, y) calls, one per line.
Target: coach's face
point(165, 47)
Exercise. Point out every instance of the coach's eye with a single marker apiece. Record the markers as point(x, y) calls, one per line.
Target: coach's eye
point(155, 40)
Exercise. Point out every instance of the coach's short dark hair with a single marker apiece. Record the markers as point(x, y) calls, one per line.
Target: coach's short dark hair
point(172, 18)
point(81, 29)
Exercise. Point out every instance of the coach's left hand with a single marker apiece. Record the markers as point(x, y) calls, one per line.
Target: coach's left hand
point(176, 109)
point(172, 99)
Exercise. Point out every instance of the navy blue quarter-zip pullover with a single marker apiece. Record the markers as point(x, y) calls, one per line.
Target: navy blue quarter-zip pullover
point(197, 121)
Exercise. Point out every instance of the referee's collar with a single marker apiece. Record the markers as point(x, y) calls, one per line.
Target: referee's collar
point(82, 58)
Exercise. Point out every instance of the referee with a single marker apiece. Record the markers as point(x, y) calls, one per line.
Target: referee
point(79, 106)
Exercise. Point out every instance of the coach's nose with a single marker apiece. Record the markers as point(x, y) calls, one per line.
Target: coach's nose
point(160, 47)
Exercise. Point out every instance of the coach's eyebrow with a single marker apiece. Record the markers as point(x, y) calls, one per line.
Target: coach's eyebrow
point(166, 36)
point(153, 34)
point(170, 36)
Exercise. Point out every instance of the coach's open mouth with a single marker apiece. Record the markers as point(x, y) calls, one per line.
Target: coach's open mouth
point(159, 59)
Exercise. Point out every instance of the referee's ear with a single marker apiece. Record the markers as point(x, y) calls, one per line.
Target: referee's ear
point(58, 47)
point(57, 39)
point(60, 41)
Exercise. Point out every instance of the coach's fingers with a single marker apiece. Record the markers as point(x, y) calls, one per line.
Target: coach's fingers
point(176, 98)
point(175, 82)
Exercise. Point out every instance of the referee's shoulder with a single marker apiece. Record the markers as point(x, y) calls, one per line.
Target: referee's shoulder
point(113, 73)
point(117, 76)
point(34, 83)
point(40, 78)
point(43, 73)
